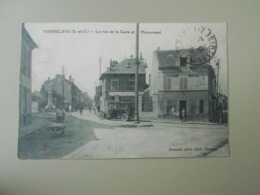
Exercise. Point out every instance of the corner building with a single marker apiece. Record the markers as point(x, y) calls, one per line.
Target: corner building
point(176, 84)
point(118, 84)
point(25, 86)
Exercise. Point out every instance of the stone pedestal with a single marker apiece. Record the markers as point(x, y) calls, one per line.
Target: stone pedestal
point(50, 107)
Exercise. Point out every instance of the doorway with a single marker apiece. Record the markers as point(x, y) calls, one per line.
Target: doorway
point(182, 104)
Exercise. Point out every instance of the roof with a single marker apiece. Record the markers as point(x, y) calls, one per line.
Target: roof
point(167, 57)
point(59, 76)
point(126, 66)
point(27, 38)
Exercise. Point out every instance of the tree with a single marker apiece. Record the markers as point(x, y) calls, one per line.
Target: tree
point(147, 103)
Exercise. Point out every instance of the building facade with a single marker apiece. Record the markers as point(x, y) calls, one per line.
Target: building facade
point(63, 89)
point(98, 95)
point(25, 89)
point(118, 84)
point(177, 85)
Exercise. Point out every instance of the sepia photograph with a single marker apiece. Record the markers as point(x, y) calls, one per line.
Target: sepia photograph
point(123, 90)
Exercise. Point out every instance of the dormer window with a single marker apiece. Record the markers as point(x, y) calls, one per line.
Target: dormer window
point(183, 61)
point(114, 84)
point(170, 57)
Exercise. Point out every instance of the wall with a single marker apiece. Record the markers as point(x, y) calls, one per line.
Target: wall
point(25, 110)
point(56, 85)
point(192, 99)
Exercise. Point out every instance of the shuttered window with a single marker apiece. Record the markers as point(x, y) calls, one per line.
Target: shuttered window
point(183, 83)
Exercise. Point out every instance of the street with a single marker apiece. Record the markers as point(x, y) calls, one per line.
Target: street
point(87, 136)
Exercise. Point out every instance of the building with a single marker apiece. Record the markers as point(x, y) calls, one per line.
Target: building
point(176, 84)
point(36, 98)
point(64, 92)
point(98, 95)
point(118, 84)
point(25, 96)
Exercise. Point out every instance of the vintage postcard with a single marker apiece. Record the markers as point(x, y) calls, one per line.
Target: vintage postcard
point(123, 90)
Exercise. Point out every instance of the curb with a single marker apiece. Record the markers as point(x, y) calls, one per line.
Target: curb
point(154, 121)
point(137, 125)
point(178, 122)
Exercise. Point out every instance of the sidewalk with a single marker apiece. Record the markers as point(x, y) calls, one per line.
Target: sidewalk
point(39, 120)
point(160, 120)
point(148, 117)
point(144, 121)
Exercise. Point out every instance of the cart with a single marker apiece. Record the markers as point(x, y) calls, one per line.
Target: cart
point(56, 129)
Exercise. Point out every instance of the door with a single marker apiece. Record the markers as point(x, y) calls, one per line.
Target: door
point(182, 104)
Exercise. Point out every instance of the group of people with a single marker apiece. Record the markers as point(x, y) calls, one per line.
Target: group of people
point(182, 114)
point(113, 111)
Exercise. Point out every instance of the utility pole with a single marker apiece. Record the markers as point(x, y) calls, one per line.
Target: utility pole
point(136, 116)
point(99, 70)
point(218, 66)
point(63, 78)
point(217, 88)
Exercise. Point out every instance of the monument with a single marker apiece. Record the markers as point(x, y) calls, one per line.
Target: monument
point(50, 107)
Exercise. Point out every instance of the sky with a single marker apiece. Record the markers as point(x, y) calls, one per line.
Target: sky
point(79, 46)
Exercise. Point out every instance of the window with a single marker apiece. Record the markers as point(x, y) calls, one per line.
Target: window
point(131, 84)
point(114, 85)
point(201, 107)
point(183, 83)
point(117, 98)
point(164, 82)
point(167, 83)
point(183, 61)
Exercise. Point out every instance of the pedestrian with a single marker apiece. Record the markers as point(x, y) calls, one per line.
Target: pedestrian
point(81, 110)
point(131, 111)
point(173, 112)
point(115, 110)
point(98, 108)
point(70, 109)
point(89, 109)
point(111, 111)
point(183, 115)
point(60, 115)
